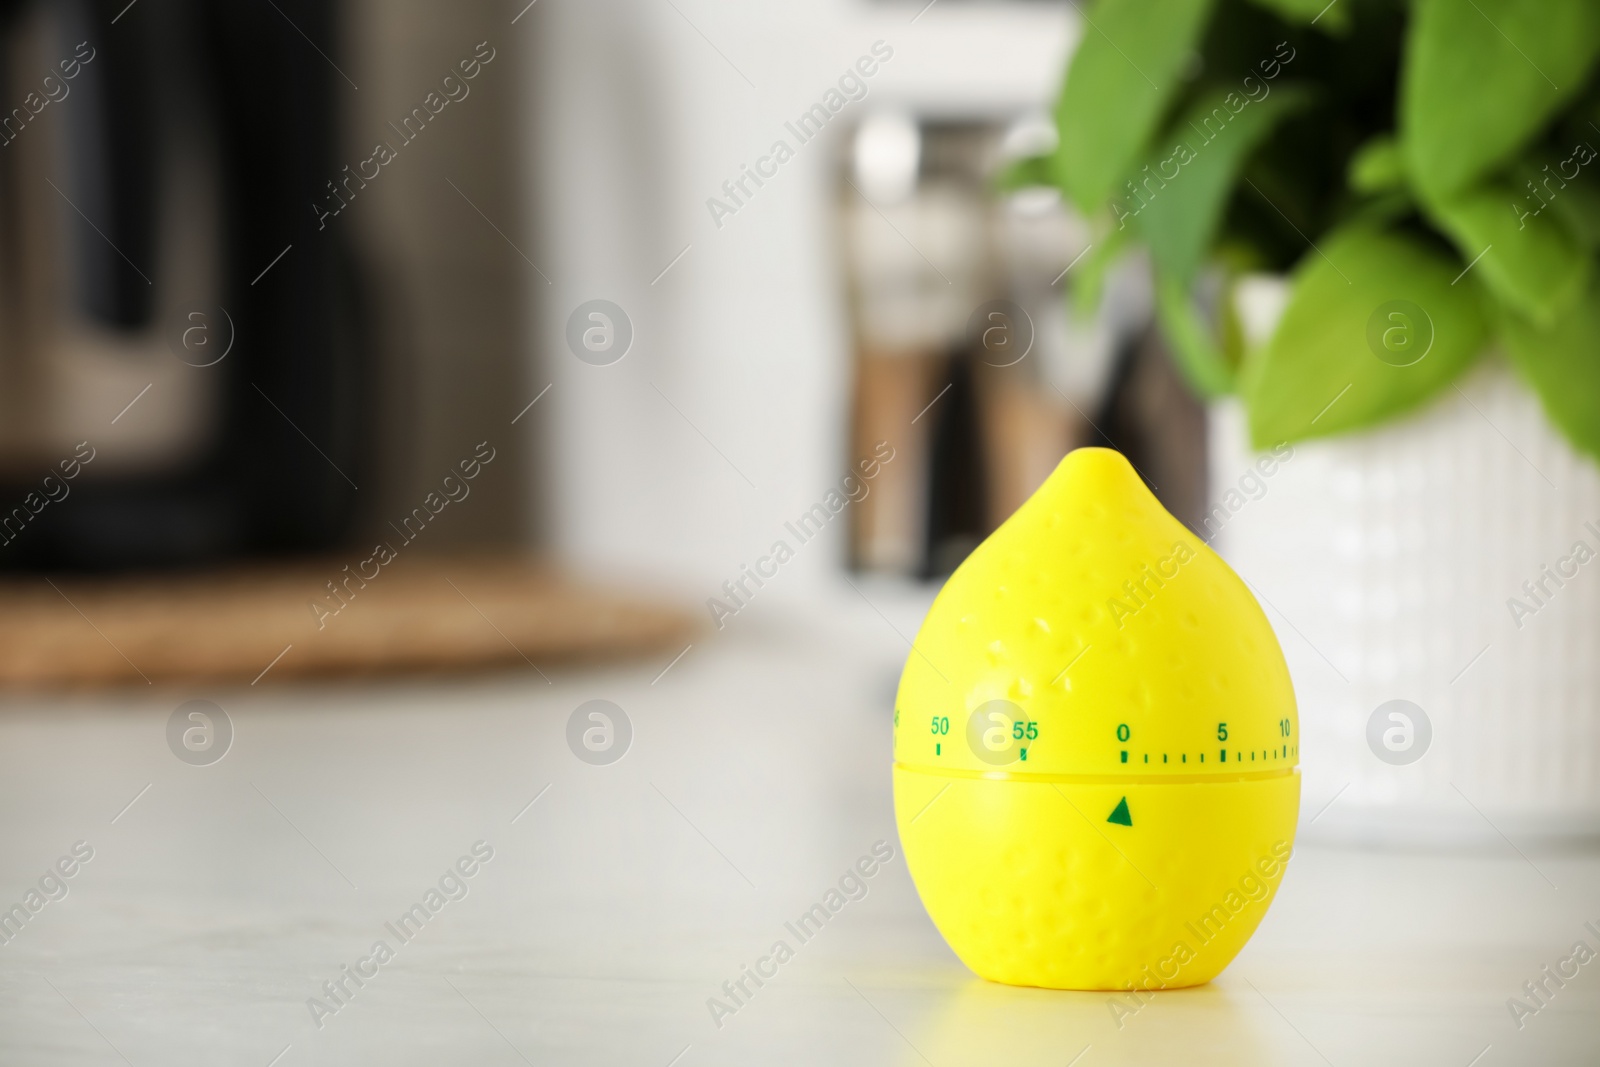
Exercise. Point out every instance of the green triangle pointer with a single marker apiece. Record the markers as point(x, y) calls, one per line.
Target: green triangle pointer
point(1120, 815)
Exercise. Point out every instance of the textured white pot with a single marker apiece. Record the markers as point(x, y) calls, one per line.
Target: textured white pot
point(1388, 561)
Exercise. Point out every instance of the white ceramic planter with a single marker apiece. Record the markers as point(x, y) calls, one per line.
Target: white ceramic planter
point(1388, 561)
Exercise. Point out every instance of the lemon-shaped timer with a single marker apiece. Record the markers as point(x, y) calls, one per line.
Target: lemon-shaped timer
point(1096, 746)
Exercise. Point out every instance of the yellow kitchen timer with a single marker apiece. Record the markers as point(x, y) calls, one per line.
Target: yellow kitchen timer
point(1096, 747)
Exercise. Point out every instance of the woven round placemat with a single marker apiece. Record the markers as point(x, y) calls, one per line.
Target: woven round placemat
point(269, 622)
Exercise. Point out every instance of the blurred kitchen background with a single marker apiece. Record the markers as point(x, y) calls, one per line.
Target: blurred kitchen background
point(177, 202)
point(272, 272)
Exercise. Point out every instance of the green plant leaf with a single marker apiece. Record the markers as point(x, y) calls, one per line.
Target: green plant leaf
point(1383, 210)
point(1332, 18)
point(1575, 203)
point(1377, 166)
point(1087, 281)
point(1026, 173)
point(1578, 209)
point(1480, 79)
point(1194, 349)
point(1127, 67)
point(1530, 262)
point(1181, 216)
point(1318, 375)
point(1562, 364)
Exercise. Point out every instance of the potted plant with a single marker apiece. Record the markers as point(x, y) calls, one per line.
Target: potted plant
point(1423, 180)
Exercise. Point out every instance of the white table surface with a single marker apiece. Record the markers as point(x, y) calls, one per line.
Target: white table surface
point(618, 903)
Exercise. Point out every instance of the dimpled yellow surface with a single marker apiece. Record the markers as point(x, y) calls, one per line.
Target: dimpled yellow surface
point(1096, 746)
